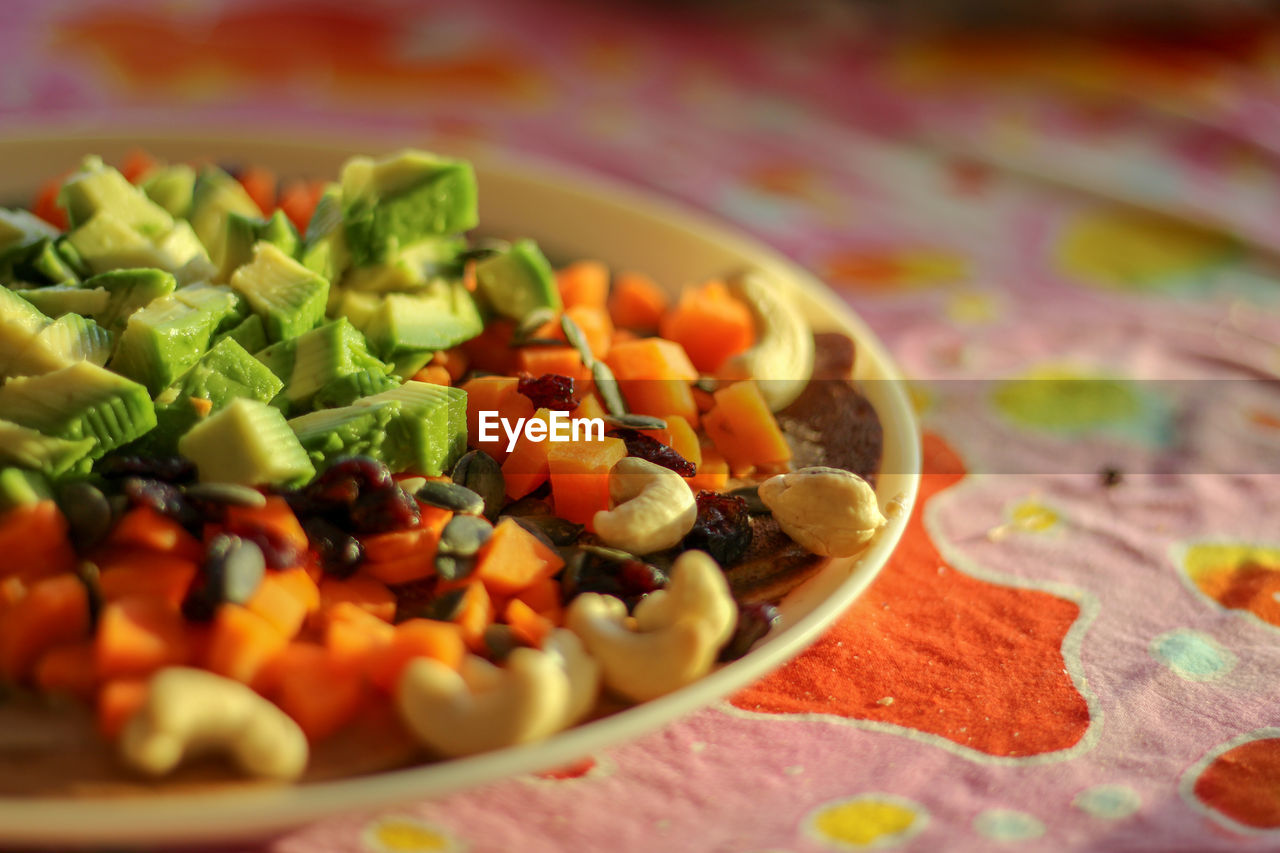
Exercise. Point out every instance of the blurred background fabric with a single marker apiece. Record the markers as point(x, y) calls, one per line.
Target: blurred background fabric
point(1076, 656)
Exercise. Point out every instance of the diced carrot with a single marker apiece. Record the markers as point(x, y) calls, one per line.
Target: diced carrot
point(583, 283)
point(54, 611)
point(494, 394)
point(127, 572)
point(298, 200)
point(361, 590)
point(137, 165)
point(434, 374)
point(201, 406)
point(354, 635)
point(242, 642)
point(529, 626)
point(683, 439)
point(143, 527)
point(119, 700)
point(319, 691)
point(454, 361)
point(564, 361)
point(45, 205)
point(69, 668)
point(475, 613)
point(596, 327)
point(703, 400)
point(653, 375)
point(301, 586)
point(525, 468)
point(274, 601)
point(385, 547)
point(579, 472)
point(711, 324)
point(513, 559)
point(260, 184)
point(275, 520)
point(744, 429)
point(138, 635)
point(412, 567)
point(490, 350)
point(588, 407)
point(415, 638)
point(12, 590)
point(544, 597)
point(637, 302)
point(713, 473)
point(34, 543)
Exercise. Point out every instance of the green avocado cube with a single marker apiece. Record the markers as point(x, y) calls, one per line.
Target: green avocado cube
point(442, 316)
point(518, 281)
point(430, 432)
point(311, 360)
point(20, 487)
point(129, 290)
point(249, 333)
point(98, 187)
point(29, 448)
point(243, 232)
point(324, 247)
point(246, 442)
point(171, 187)
point(215, 196)
point(20, 322)
point(62, 299)
point(411, 268)
point(288, 297)
point(41, 263)
point(327, 434)
point(345, 390)
point(163, 340)
point(80, 401)
point(20, 229)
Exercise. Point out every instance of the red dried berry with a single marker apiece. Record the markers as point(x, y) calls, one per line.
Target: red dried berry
point(722, 529)
point(549, 391)
point(651, 450)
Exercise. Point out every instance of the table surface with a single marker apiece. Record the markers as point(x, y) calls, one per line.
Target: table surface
point(1067, 243)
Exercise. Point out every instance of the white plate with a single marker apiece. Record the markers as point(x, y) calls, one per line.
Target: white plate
point(570, 215)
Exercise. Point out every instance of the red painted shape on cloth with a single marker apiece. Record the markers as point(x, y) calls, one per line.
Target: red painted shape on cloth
point(1243, 782)
point(576, 770)
point(974, 662)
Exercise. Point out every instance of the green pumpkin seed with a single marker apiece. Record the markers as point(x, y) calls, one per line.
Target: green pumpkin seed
point(640, 422)
point(500, 641)
point(231, 494)
point(574, 335)
point(706, 383)
point(616, 555)
point(481, 473)
point(446, 606)
point(453, 567)
point(89, 575)
point(751, 494)
point(534, 320)
point(464, 535)
point(607, 385)
point(89, 514)
point(451, 496)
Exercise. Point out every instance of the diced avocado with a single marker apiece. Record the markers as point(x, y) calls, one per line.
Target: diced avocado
point(72, 258)
point(324, 248)
point(182, 252)
point(518, 281)
point(66, 340)
point(19, 229)
point(243, 232)
point(171, 187)
point(430, 432)
point(98, 187)
point(29, 448)
point(392, 203)
point(309, 361)
point(163, 340)
point(289, 297)
point(406, 365)
point(217, 299)
point(440, 317)
point(63, 299)
point(249, 443)
point(358, 307)
point(250, 333)
point(215, 196)
point(411, 268)
point(106, 242)
point(129, 290)
point(80, 401)
point(345, 390)
point(20, 322)
point(20, 487)
point(351, 430)
point(41, 263)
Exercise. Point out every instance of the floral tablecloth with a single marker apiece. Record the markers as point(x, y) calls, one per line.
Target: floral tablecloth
point(1076, 644)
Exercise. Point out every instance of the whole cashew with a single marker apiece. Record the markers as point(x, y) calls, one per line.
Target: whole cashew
point(483, 707)
point(582, 669)
point(653, 507)
point(673, 638)
point(191, 711)
point(781, 361)
point(829, 511)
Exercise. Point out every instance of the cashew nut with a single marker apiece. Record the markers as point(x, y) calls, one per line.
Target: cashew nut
point(781, 361)
point(481, 706)
point(582, 669)
point(829, 511)
point(673, 638)
point(190, 711)
point(653, 507)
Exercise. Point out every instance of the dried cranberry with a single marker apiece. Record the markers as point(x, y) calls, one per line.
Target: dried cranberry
point(652, 450)
point(722, 529)
point(598, 570)
point(549, 391)
point(385, 510)
point(340, 552)
point(164, 498)
point(754, 621)
point(166, 469)
point(640, 578)
point(348, 478)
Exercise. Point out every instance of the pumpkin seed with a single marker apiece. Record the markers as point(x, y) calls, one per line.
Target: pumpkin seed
point(500, 641)
point(534, 320)
point(616, 555)
point(89, 575)
point(607, 385)
point(89, 514)
point(445, 607)
point(705, 383)
point(232, 494)
point(412, 484)
point(233, 568)
point(453, 567)
point(482, 474)
point(451, 496)
point(573, 334)
point(751, 494)
point(635, 421)
point(464, 535)
point(554, 529)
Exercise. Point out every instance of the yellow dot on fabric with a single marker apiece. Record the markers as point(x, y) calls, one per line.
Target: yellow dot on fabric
point(1033, 517)
point(972, 306)
point(406, 835)
point(869, 821)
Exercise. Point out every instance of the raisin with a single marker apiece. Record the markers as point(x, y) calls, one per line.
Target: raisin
point(340, 552)
point(754, 621)
point(610, 572)
point(722, 529)
point(651, 450)
point(166, 469)
point(385, 510)
point(549, 391)
point(164, 498)
point(344, 481)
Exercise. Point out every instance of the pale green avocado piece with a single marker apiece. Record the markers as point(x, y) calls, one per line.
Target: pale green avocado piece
point(442, 316)
point(249, 443)
point(243, 232)
point(106, 242)
point(20, 228)
point(324, 247)
point(217, 299)
point(40, 263)
point(430, 432)
point(20, 487)
point(66, 340)
point(288, 297)
point(306, 363)
point(30, 448)
point(171, 187)
point(411, 268)
point(184, 254)
point(129, 290)
point(20, 322)
point(98, 187)
point(518, 281)
point(327, 434)
point(357, 306)
point(406, 365)
point(80, 401)
point(68, 299)
point(392, 203)
point(345, 390)
point(217, 195)
point(72, 258)
point(163, 340)
point(249, 333)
